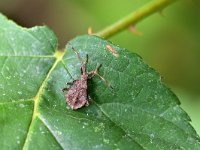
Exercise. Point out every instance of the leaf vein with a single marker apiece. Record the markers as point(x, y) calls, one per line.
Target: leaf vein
point(148, 112)
point(45, 124)
point(117, 125)
point(18, 101)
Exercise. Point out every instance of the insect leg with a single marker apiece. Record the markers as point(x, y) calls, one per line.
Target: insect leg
point(65, 89)
point(91, 74)
point(69, 83)
point(95, 72)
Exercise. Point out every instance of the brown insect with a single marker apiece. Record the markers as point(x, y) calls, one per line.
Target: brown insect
point(76, 95)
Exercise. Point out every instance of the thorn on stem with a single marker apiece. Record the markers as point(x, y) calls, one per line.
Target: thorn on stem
point(89, 31)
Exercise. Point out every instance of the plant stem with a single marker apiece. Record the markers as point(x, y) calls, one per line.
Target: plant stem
point(134, 17)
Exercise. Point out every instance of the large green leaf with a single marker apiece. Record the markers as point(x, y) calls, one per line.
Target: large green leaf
point(138, 112)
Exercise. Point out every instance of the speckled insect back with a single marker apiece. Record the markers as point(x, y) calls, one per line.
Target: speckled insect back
point(76, 95)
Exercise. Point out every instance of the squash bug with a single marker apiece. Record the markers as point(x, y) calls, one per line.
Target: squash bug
point(76, 95)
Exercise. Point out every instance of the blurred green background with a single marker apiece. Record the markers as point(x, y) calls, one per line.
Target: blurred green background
point(170, 42)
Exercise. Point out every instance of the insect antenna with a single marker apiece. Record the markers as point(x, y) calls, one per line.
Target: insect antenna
point(79, 57)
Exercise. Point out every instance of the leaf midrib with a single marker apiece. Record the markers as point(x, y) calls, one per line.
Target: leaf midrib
point(58, 55)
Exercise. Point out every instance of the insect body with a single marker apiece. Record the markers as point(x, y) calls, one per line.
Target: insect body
point(76, 94)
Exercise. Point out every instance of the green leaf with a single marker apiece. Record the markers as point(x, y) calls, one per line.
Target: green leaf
point(138, 112)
